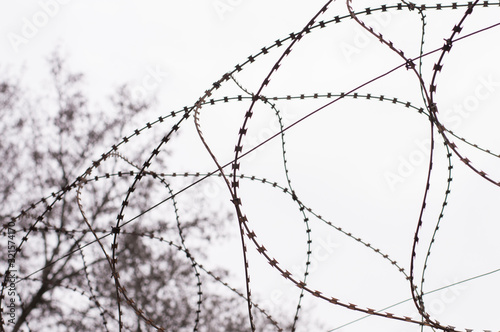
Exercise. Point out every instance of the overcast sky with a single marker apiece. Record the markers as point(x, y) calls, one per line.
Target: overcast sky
point(361, 164)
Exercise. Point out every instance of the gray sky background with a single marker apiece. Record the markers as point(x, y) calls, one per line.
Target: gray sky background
point(361, 164)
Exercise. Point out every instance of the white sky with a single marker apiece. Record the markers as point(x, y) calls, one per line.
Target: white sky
point(340, 159)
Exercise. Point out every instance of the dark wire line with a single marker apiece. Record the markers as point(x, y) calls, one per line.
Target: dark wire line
point(256, 147)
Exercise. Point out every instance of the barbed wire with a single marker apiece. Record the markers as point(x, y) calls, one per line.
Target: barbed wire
point(248, 236)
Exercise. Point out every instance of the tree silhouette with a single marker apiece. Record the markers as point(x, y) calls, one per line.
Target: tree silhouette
point(63, 279)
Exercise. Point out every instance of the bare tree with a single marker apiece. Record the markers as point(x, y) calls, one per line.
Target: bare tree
point(63, 274)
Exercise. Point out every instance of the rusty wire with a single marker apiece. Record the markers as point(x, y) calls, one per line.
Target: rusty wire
point(249, 238)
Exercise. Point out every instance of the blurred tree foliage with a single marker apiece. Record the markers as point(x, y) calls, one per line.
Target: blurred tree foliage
point(48, 138)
